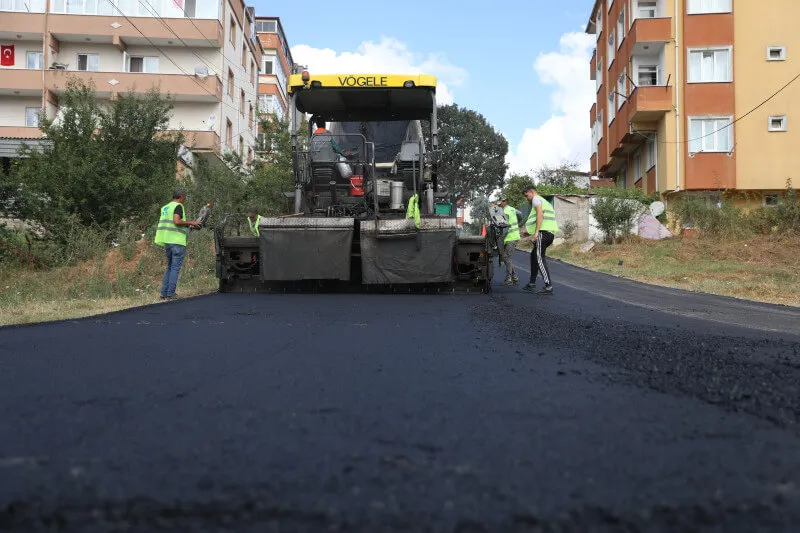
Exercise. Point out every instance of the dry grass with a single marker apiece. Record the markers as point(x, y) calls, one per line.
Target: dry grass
point(100, 286)
point(762, 269)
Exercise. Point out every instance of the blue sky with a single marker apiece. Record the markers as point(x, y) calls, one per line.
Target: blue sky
point(484, 54)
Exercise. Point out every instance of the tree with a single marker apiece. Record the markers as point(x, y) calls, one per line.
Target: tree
point(473, 153)
point(273, 174)
point(514, 188)
point(563, 175)
point(101, 164)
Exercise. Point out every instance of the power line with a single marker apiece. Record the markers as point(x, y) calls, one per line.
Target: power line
point(753, 110)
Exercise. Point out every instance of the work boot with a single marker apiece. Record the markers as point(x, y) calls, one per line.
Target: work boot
point(508, 282)
point(515, 280)
point(529, 287)
point(547, 291)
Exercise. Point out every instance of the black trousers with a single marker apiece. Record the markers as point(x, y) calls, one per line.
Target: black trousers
point(539, 259)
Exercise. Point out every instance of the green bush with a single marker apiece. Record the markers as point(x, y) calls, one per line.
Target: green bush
point(723, 221)
point(616, 210)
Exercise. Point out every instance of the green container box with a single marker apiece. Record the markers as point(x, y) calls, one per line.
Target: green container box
point(443, 209)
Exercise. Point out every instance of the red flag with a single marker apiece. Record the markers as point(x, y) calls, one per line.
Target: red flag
point(7, 55)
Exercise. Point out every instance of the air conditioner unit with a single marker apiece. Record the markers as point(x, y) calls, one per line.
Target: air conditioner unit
point(201, 71)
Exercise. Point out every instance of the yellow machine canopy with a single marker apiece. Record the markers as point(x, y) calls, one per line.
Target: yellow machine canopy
point(364, 97)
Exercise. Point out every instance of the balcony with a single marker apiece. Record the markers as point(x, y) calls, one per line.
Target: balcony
point(647, 32)
point(28, 26)
point(19, 132)
point(20, 82)
point(593, 66)
point(202, 141)
point(649, 103)
point(183, 88)
point(593, 115)
point(120, 31)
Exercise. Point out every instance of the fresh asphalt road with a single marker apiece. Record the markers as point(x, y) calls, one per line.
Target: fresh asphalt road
point(611, 406)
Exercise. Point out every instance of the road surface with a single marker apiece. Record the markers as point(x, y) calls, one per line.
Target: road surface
point(588, 411)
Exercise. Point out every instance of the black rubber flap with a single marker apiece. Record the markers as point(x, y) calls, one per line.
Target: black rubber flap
point(305, 253)
point(398, 261)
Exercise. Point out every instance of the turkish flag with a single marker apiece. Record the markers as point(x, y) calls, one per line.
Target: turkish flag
point(7, 55)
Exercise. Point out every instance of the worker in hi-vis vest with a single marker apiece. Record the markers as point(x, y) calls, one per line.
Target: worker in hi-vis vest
point(542, 227)
point(253, 220)
point(171, 234)
point(510, 242)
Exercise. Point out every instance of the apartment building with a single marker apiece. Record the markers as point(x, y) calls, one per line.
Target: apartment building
point(679, 84)
point(204, 53)
point(276, 67)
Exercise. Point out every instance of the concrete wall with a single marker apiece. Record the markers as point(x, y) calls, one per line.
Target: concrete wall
point(12, 109)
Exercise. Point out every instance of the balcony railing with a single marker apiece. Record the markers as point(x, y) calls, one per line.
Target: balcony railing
point(649, 103)
point(647, 30)
point(182, 87)
point(137, 8)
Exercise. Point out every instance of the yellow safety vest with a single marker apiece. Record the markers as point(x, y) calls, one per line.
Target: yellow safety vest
point(548, 219)
point(413, 209)
point(167, 232)
point(513, 225)
point(254, 227)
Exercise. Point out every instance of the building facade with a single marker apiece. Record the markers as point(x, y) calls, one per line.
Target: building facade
point(683, 95)
point(203, 53)
point(276, 67)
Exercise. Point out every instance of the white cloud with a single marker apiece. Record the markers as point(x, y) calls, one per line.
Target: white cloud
point(387, 56)
point(566, 134)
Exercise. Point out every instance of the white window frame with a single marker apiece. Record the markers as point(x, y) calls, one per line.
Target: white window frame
point(144, 64)
point(637, 166)
point(784, 123)
point(621, 28)
point(622, 83)
point(611, 47)
point(33, 113)
point(729, 66)
point(599, 74)
point(694, 7)
point(649, 73)
point(639, 9)
point(271, 58)
point(598, 22)
point(88, 55)
point(651, 155)
point(715, 130)
point(612, 108)
point(781, 51)
point(610, 5)
point(601, 126)
point(39, 59)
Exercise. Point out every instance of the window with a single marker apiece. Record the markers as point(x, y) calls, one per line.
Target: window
point(230, 83)
point(241, 147)
point(252, 72)
point(28, 6)
point(647, 9)
point(250, 117)
point(621, 27)
point(233, 31)
point(598, 21)
point(143, 64)
point(89, 62)
point(35, 60)
point(599, 76)
point(710, 65)
point(600, 126)
point(777, 123)
point(647, 75)
point(244, 55)
point(612, 109)
point(611, 48)
point(696, 7)
point(771, 200)
point(229, 133)
point(241, 103)
point(268, 64)
point(622, 89)
point(774, 53)
point(265, 103)
point(32, 115)
point(637, 166)
point(267, 26)
point(650, 152)
point(610, 4)
point(714, 134)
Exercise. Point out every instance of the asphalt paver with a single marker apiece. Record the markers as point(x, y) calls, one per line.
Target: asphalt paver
point(591, 410)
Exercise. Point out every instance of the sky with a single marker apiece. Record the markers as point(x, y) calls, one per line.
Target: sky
point(522, 64)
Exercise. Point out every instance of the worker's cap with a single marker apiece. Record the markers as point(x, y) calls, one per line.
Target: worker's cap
point(177, 193)
point(252, 210)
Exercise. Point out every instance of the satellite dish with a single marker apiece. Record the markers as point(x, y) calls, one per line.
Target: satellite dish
point(656, 208)
point(201, 71)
